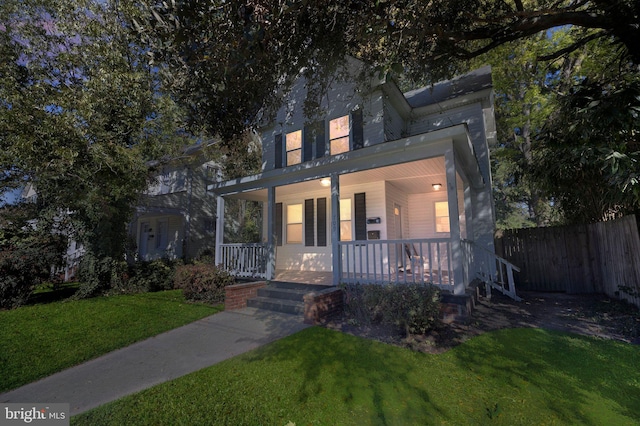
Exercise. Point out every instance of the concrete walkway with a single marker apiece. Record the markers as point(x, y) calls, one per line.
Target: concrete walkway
point(158, 359)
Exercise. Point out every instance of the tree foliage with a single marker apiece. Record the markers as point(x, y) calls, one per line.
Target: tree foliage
point(28, 252)
point(229, 58)
point(588, 155)
point(229, 61)
point(80, 112)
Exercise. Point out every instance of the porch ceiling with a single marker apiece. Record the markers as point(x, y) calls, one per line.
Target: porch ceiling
point(412, 178)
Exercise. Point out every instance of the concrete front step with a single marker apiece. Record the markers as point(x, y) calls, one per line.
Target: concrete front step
point(298, 286)
point(286, 297)
point(279, 305)
point(282, 293)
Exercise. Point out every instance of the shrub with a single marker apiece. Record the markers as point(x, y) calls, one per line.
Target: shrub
point(413, 307)
point(202, 282)
point(28, 252)
point(98, 275)
point(150, 276)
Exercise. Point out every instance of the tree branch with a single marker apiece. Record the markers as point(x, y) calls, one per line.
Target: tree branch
point(572, 47)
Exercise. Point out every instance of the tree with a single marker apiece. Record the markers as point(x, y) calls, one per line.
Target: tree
point(588, 157)
point(230, 58)
point(80, 112)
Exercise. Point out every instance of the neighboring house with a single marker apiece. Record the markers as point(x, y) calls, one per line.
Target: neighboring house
point(175, 217)
point(75, 250)
point(384, 187)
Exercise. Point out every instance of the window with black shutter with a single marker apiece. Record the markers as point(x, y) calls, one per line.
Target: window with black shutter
point(357, 131)
point(278, 153)
point(322, 222)
point(309, 223)
point(278, 224)
point(307, 145)
point(320, 142)
point(360, 216)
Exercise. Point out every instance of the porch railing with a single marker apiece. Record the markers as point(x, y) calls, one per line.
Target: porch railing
point(245, 260)
point(495, 271)
point(398, 261)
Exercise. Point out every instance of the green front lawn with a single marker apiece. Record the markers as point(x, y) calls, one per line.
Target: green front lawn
point(39, 340)
point(319, 376)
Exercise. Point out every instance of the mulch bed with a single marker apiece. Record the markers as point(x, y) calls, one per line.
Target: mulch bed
point(593, 315)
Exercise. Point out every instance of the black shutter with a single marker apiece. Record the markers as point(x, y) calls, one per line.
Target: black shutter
point(279, 153)
point(320, 142)
point(360, 207)
point(307, 143)
point(309, 241)
point(278, 224)
point(357, 130)
point(322, 222)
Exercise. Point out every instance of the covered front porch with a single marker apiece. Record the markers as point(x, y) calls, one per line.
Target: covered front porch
point(392, 213)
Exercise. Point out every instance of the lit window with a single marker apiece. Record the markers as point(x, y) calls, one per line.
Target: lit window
point(345, 220)
point(294, 147)
point(294, 224)
point(442, 216)
point(339, 135)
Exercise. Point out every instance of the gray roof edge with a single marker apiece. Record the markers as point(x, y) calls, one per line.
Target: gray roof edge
point(474, 81)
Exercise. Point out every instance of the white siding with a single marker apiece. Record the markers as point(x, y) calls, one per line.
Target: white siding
point(472, 115)
point(422, 215)
point(393, 123)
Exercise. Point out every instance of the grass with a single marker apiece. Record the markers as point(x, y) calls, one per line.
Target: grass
point(319, 376)
point(39, 340)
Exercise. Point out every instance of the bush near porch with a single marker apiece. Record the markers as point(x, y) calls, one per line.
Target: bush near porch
point(202, 282)
point(115, 276)
point(413, 307)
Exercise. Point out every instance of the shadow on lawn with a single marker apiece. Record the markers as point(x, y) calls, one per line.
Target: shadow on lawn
point(570, 369)
point(360, 375)
point(53, 293)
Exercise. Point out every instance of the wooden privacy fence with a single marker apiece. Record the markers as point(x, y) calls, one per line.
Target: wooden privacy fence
point(597, 258)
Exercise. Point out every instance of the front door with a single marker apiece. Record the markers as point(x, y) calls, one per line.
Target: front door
point(143, 241)
point(397, 224)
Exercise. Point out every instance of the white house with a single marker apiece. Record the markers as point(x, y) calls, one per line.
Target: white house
point(174, 217)
point(381, 186)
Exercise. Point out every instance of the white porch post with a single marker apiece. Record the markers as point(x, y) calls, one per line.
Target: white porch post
point(454, 222)
point(271, 232)
point(468, 211)
point(336, 264)
point(219, 229)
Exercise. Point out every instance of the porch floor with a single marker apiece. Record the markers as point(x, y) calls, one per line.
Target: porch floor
point(326, 278)
point(304, 277)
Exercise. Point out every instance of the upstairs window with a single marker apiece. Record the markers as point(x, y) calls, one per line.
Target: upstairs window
point(339, 135)
point(294, 147)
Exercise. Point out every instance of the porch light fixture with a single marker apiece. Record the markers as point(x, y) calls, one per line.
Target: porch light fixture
point(436, 186)
point(325, 182)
